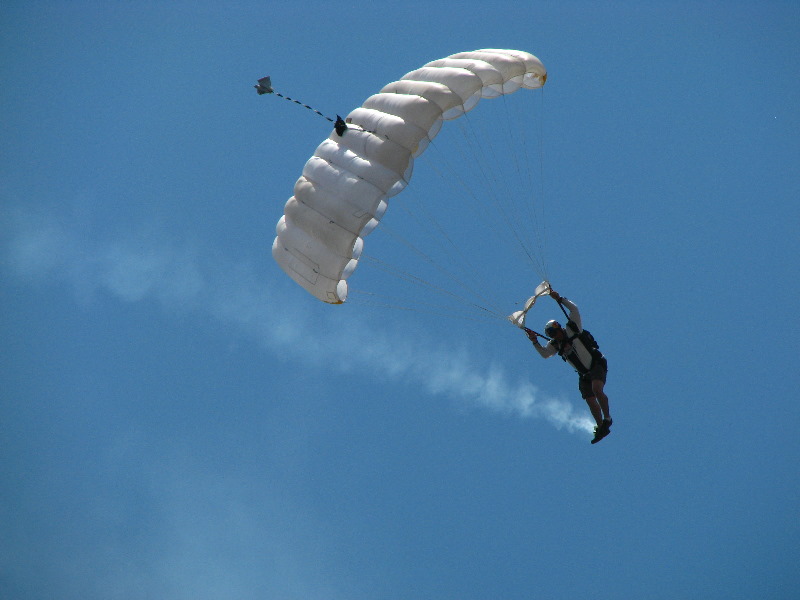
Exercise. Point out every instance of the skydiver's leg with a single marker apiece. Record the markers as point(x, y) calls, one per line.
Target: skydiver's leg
point(600, 397)
point(585, 387)
point(594, 408)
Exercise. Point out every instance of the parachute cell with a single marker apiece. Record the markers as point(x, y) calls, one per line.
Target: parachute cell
point(345, 186)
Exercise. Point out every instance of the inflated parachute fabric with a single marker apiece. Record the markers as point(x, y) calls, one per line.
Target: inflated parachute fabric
point(343, 191)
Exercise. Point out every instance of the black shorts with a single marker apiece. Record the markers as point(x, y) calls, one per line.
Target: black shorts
point(598, 371)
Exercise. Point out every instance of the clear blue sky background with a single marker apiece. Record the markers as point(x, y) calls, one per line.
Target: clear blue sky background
point(179, 420)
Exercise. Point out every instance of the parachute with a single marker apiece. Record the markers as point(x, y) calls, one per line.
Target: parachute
point(345, 186)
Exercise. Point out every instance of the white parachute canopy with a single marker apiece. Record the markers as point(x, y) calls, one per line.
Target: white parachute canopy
point(518, 317)
point(345, 186)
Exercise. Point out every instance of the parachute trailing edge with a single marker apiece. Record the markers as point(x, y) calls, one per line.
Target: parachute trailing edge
point(345, 186)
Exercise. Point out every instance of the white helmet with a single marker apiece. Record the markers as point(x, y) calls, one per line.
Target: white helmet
point(551, 327)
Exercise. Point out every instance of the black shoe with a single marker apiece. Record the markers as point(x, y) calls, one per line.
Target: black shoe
point(602, 430)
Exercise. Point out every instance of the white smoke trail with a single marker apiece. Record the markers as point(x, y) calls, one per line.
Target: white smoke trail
point(147, 266)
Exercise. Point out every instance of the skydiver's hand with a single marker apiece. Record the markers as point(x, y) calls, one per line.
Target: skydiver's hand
point(555, 295)
point(532, 335)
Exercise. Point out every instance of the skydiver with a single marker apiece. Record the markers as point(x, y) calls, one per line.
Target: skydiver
point(578, 349)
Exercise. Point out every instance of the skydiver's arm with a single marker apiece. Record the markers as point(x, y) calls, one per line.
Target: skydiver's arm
point(574, 313)
point(544, 351)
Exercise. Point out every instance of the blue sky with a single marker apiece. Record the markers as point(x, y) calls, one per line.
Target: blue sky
point(179, 420)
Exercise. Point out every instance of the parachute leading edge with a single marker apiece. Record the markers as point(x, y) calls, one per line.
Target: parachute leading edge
point(345, 186)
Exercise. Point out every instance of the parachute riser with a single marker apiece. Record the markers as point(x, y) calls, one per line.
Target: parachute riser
point(536, 333)
point(561, 306)
point(264, 86)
